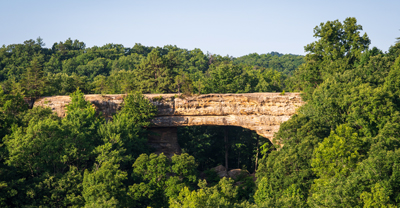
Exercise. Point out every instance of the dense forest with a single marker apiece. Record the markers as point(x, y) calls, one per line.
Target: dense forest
point(32, 70)
point(339, 150)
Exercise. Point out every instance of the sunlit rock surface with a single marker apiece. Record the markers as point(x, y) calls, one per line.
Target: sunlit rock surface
point(261, 112)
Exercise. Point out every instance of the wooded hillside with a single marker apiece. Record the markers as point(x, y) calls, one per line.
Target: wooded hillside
point(340, 150)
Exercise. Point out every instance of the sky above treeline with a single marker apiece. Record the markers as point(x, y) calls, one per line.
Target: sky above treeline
point(233, 28)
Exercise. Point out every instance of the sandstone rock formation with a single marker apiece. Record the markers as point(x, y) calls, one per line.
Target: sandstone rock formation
point(234, 173)
point(221, 171)
point(261, 112)
point(164, 140)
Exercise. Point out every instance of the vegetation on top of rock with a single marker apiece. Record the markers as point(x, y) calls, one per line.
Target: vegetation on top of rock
point(340, 150)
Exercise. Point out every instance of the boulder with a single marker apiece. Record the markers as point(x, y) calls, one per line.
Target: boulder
point(234, 173)
point(221, 171)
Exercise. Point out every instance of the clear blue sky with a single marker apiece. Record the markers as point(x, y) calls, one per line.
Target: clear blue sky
point(229, 27)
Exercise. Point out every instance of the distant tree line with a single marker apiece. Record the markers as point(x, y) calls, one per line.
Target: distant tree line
point(32, 70)
point(341, 149)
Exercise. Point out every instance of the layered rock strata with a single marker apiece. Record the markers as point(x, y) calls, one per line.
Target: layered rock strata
point(261, 112)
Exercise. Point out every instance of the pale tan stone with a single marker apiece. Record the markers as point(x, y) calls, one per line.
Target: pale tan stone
point(261, 112)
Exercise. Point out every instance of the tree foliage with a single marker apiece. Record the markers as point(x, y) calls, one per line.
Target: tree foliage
point(340, 149)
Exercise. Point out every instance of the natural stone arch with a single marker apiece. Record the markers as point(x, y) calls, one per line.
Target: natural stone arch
point(261, 112)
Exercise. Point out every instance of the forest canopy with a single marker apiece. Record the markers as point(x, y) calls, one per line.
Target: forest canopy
point(339, 150)
point(32, 70)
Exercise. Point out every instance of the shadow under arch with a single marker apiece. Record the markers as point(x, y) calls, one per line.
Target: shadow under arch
point(207, 145)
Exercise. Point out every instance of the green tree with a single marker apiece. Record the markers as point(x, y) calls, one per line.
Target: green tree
point(128, 125)
point(139, 108)
point(224, 194)
point(268, 81)
point(151, 172)
point(227, 78)
point(99, 66)
point(334, 159)
point(64, 84)
point(33, 81)
point(184, 84)
point(155, 74)
point(393, 79)
point(340, 45)
point(50, 153)
point(184, 169)
point(159, 179)
point(337, 154)
point(11, 106)
point(12, 109)
point(284, 177)
point(104, 186)
point(123, 140)
point(378, 198)
point(284, 63)
point(55, 143)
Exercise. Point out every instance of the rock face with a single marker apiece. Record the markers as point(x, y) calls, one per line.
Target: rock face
point(107, 104)
point(234, 173)
point(220, 170)
point(261, 112)
point(164, 140)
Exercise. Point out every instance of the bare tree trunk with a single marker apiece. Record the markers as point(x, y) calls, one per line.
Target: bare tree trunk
point(238, 161)
point(255, 168)
point(226, 147)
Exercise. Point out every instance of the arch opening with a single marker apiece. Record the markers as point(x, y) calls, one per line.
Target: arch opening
point(208, 144)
